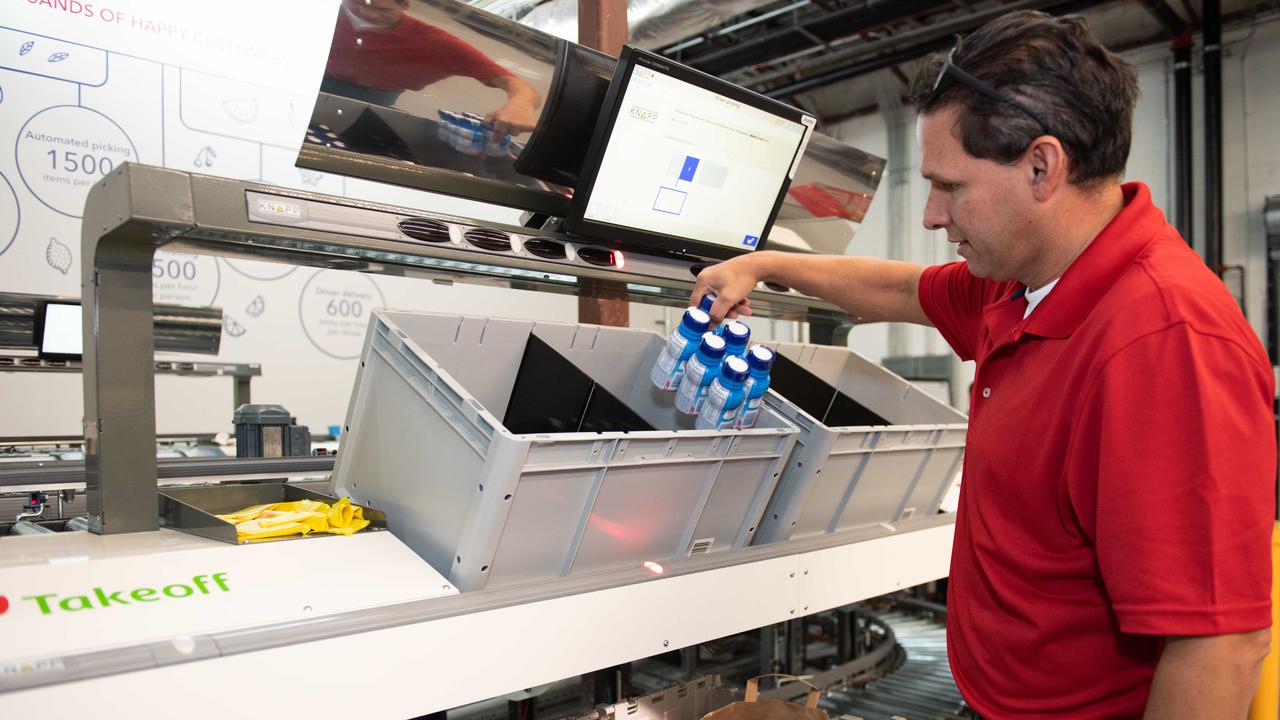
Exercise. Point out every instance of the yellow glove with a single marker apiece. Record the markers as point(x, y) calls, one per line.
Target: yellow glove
point(345, 518)
point(298, 517)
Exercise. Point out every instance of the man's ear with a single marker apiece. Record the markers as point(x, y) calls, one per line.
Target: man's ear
point(1048, 164)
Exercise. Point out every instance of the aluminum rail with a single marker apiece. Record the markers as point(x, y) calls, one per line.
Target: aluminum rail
point(136, 209)
point(64, 472)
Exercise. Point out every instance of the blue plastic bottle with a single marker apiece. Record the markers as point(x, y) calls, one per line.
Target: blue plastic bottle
point(737, 335)
point(699, 373)
point(724, 397)
point(760, 360)
point(683, 343)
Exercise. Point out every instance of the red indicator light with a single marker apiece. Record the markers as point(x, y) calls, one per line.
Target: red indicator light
point(618, 260)
point(653, 567)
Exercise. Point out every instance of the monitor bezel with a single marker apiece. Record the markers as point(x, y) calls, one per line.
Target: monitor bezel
point(650, 242)
point(38, 328)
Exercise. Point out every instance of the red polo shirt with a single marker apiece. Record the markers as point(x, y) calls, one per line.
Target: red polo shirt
point(409, 55)
point(1119, 479)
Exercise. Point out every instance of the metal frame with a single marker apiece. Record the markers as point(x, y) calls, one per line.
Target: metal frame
point(137, 209)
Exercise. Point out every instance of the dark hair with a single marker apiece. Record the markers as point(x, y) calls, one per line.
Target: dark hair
point(1056, 67)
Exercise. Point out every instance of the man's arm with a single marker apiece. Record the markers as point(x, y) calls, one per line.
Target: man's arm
point(866, 288)
point(1212, 676)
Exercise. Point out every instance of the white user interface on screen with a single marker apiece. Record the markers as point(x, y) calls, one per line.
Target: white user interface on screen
point(688, 162)
point(62, 330)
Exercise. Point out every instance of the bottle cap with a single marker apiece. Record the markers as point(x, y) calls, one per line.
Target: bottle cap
point(760, 358)
point(737, 334)
point(734, 369)
point(696, 320)
point(712, 346)
point(707, 301)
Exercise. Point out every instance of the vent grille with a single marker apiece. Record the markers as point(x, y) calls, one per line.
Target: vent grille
point(544, 248)
point(432, 231)
point(595, 256)
point(701, 547)
point(486, 239)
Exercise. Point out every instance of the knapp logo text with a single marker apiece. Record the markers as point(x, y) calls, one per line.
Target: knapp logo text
point(98, 597)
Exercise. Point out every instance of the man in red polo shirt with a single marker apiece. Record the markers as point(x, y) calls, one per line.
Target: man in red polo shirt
point(379, 51)
point(1111, 553)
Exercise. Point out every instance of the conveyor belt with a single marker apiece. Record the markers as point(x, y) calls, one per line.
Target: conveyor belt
point(922, 689)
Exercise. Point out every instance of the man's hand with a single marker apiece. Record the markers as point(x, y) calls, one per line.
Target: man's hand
point(520, 113)
point(731, 281)
point(1207, 677)
point(515, 117)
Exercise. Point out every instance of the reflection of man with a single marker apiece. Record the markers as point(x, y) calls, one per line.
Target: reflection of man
point(379, 52)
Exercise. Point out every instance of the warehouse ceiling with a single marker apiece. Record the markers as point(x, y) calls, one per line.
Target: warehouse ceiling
point(841, 58)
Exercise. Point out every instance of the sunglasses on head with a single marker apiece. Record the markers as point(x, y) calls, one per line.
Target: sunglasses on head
point(949, 69)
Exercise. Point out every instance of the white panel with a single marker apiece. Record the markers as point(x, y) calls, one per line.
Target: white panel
point(445, 663)
point(93, 592)
point(194, 86)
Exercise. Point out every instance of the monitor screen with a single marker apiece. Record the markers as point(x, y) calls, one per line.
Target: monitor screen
point(686, 163)
point(58, 331)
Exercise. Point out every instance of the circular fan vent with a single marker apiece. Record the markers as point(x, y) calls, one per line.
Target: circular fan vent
point(595, 256)
point(544, 248)
point(432, 231)
point(487, 239)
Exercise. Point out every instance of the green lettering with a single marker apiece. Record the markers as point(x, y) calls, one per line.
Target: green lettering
point(76, 603)
point(105, 600)
point(43, 601)
point(82, 601)
point(173, 590)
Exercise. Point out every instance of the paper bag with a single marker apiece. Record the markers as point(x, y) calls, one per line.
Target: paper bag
point(752, 708)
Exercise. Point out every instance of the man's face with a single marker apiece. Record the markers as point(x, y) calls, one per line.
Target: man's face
point(378, 12)
point(986, 208)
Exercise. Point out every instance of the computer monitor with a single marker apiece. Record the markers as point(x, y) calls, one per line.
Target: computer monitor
point(58, 330)
point(685, 163)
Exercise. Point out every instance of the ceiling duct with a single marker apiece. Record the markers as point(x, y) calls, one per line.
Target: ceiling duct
point(653, 23)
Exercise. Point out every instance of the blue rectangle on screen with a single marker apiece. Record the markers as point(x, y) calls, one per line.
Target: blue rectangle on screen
point(751, 240)
point(690, 167)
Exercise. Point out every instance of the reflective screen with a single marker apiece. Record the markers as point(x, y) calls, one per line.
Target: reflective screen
point(435, 84)
point(685, 161)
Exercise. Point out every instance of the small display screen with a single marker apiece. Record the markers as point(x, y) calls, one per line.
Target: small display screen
point(60, 331)
point(690, 158)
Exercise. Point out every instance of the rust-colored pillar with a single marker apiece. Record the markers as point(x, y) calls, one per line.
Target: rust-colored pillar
point(602, 25)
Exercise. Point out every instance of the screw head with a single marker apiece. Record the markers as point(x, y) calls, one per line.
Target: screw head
point(666, 643)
